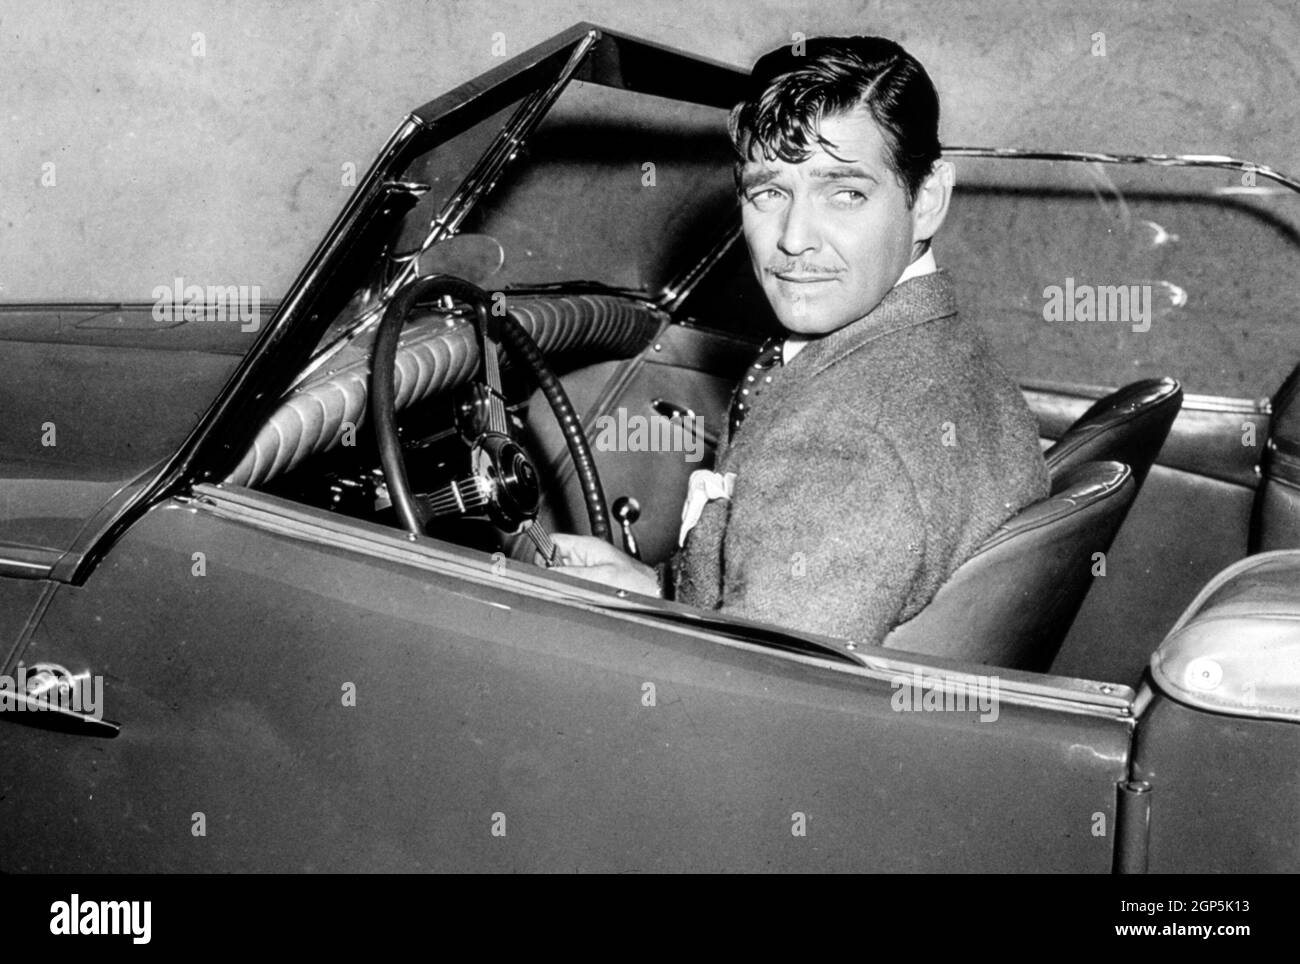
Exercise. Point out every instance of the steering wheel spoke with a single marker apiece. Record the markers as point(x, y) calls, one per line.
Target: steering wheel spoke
point(541, 540)
point(458, 498)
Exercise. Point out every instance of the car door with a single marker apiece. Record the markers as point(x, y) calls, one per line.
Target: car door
point(296, 691)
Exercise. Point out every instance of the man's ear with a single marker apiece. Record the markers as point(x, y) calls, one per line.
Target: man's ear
point(931, 204)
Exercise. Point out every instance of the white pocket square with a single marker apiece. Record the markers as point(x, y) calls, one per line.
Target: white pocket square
point(704, 487)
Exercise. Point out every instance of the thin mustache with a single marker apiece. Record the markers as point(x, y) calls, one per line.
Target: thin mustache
point(800, 268)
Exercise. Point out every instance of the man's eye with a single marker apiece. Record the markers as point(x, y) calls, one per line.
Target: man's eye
point(847, 197)
point(765, 198)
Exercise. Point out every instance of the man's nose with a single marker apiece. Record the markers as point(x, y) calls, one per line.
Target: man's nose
point(799, 232)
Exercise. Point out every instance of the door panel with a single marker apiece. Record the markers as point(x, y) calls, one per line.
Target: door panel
point(482, 704)
point(689, 368)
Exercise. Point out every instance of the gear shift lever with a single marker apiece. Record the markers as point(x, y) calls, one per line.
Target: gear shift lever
point(627, 510)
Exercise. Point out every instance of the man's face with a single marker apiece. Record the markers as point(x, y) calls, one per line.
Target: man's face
point(828, 236)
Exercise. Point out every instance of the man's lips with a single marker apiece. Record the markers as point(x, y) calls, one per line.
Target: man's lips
point(802, 277)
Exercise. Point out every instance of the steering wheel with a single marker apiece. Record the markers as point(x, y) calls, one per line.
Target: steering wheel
point(502, 484)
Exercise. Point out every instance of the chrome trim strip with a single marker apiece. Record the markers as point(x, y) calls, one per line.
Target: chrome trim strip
point(267, 307)
point(680, 288)
point(1191, 401)
point(28, 711)
point(1219, 161)
point(1220, 403)
point(12, 568)
point(1132, 826)
point(27, 562)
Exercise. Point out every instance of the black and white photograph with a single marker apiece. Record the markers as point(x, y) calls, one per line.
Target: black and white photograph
point(493, 437)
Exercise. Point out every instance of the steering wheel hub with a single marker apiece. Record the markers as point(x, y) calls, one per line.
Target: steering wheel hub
point(515, 493)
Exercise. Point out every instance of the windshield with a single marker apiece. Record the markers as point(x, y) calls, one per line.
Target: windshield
point(615, 188)
point(620, 188)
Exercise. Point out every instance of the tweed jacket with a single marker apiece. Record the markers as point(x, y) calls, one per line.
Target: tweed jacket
point(871, 466)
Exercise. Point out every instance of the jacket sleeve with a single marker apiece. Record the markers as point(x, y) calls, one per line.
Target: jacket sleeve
point(826, 535)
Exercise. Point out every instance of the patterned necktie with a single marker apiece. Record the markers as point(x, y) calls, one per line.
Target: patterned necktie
point(756, 377)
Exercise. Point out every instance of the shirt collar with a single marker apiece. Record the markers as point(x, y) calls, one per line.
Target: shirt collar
point(923, 265)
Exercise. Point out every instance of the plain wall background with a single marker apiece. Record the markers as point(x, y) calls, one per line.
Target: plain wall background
point(226, 168)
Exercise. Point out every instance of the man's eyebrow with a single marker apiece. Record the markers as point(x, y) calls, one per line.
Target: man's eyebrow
point(754, 177)
point(844, 172)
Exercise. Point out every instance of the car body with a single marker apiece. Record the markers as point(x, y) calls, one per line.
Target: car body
point(192, 516)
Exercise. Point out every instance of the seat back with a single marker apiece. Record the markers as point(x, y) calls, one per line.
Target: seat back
point(1012, 603)
point(1129, 426)
point(1277, 510)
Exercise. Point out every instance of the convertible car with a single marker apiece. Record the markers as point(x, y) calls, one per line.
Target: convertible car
point(269, 592)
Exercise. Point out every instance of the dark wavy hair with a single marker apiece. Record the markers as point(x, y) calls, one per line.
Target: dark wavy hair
point(790, 92)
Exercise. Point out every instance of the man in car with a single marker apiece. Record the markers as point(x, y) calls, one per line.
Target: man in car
point(879, 444)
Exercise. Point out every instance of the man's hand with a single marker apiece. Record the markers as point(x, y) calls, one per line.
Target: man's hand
point(597, 561)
